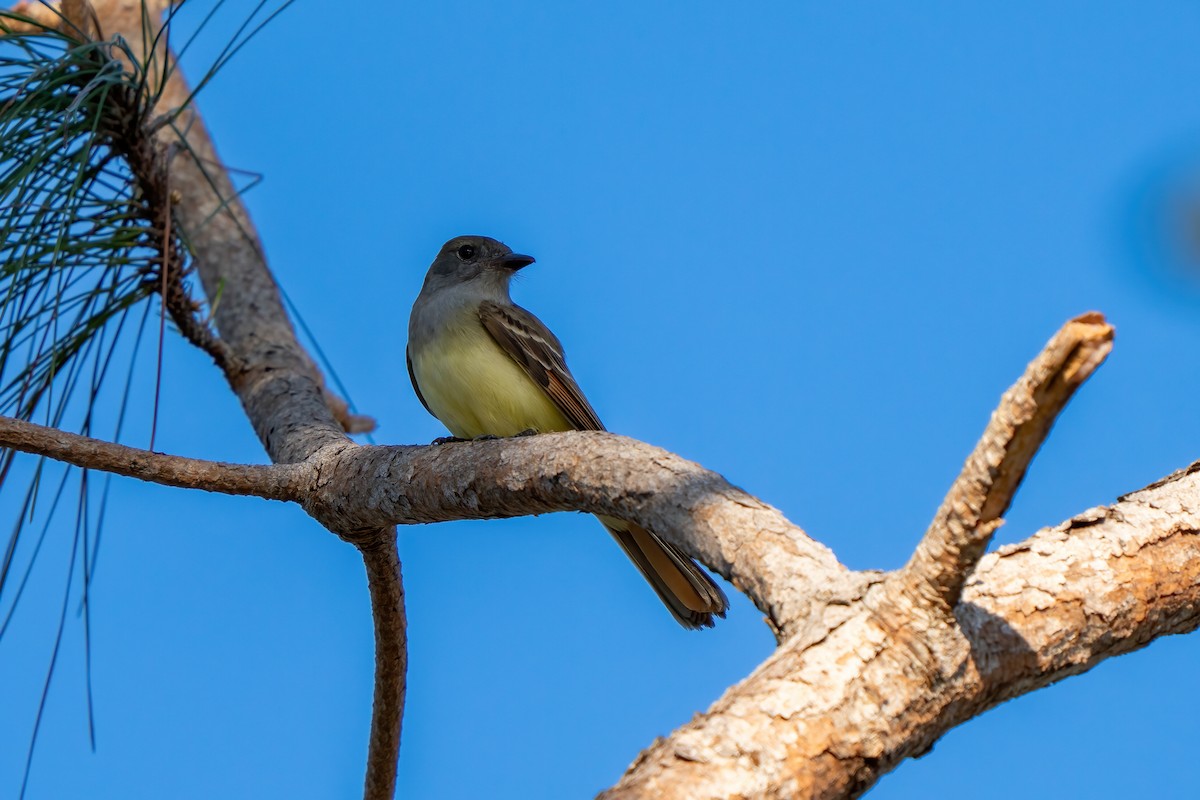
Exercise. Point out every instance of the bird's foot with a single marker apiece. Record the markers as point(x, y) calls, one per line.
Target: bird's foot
point(487, 437)
point(446, 440)
point(528, 432)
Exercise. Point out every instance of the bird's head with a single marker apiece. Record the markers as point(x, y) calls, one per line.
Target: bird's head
point(475, 258)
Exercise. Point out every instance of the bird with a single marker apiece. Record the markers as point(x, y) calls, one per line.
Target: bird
point(485, 367)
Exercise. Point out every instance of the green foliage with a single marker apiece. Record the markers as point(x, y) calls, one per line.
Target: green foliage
point(84, 201)
point(78, 246)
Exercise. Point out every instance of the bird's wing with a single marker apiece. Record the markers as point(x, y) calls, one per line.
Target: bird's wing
point(538, 351)
point(412, 376)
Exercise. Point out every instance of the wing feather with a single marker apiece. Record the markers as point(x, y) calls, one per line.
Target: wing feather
point(692, 597)
point(537, 351)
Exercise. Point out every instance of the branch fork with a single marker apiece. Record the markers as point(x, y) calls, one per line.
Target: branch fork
point(818, 607)
point(971, 512)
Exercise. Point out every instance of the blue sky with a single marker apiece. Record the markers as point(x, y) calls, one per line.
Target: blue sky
point(805, 244)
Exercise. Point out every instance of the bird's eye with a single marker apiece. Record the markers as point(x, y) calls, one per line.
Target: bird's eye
point(466, 252)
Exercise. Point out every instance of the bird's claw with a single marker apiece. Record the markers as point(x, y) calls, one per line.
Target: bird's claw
point(487, 437)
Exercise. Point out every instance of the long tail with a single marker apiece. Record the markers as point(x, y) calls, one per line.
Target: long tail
point(685, 589)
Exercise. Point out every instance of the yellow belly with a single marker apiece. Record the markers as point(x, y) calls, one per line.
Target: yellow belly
point(475, 389)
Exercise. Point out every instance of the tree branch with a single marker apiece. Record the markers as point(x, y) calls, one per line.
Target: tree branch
point(271, 482)
point(970, 514)
point(359, 491)
point(770, 559)
point(828, 714)
point(279, 385)
point(827, 719)
point(391, 663)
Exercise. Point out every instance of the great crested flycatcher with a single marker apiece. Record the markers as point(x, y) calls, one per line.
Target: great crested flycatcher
point(484, 366)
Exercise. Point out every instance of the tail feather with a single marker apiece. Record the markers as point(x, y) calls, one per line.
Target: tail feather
point(687, 591)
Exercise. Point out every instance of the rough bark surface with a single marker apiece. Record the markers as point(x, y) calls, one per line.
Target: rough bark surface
point(871, 668)
point(827, 716)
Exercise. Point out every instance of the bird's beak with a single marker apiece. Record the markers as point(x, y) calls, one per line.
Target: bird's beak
point(514, 261)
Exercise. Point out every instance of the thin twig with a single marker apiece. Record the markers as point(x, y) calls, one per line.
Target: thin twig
point(391, 663)
point(350, 422)
point(270, 481)
point(971, 512)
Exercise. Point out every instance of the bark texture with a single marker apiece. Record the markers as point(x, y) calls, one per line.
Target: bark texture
point(827, 716)
point(871, 668)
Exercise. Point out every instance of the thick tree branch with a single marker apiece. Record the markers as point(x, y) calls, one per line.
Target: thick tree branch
point(1105, 582)
point(827, 718)
point(278, 384)
point(782, 570)
point(360, 491)
point(970, 514)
